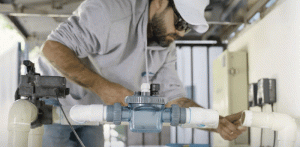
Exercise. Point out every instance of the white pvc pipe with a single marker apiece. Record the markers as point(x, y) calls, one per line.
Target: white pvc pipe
point(88, 113)
point(196, 117)
point(255, 133)
point(267, 135)
point(21, 114)
point(35, 138)
point(202, 118)
point(283, 123)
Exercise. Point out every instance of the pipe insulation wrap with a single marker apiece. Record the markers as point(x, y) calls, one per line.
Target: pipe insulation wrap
point(283, 123)
point(204, 118)
point(88, 113)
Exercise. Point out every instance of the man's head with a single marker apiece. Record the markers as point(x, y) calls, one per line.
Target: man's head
point(171, 19)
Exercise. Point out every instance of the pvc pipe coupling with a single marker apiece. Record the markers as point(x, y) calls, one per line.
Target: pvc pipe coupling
point(283, 123)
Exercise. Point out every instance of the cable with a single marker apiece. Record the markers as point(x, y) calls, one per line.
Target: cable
point(81, 143)
point(261, 133)
point(17, 96)
point(274, 131)
point(146, 49)
point(146, 58)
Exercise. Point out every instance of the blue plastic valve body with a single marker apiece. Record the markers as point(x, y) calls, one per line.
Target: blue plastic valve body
point(146, 118)
point(145, 113)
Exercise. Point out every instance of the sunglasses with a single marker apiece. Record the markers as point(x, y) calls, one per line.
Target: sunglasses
point(180, 23)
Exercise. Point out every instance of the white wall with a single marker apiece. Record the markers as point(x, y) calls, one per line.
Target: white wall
point(273, 46)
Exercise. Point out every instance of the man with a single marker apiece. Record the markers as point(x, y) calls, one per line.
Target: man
point(102, 50)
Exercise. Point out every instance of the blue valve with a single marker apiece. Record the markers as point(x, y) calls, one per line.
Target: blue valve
point(145, 113)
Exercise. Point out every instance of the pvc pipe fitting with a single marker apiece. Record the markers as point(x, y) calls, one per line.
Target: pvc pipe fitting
point(283, 123)
point(255, 133)
point(21, 114)
point(88, 113)
point(35, 137)
point(203, 118)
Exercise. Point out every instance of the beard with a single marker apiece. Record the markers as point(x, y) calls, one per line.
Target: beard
point(157, 31)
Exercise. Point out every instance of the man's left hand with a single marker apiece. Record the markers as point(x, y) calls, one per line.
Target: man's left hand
point(230, 127)
point(235, 119)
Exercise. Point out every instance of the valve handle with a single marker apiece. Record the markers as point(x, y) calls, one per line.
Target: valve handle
point(29, 65)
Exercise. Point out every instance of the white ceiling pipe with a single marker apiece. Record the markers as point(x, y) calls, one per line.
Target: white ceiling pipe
point(283, 123)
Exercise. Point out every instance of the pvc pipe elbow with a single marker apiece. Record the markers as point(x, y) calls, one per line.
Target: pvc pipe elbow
point(88, 113)
point(283, 123)
point(286, 126)
point(21, 114)
point(203, 118)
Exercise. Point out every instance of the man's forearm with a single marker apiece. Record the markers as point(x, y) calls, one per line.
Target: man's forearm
point(68, 64)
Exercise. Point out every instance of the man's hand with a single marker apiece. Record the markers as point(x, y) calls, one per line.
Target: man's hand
point(235, 119)
point(228, 130)
point(230, 127)
point(112, 93)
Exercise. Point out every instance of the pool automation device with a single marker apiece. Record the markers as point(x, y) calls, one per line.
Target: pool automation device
point(146, 113)
point(252, 94)
point(33, 87)
point(29, 112)
point(266, 91)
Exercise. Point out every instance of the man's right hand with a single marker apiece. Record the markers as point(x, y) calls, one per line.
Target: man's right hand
point(112, 93)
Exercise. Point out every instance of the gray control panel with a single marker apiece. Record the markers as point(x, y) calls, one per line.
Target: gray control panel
point(266, 91)
point(252, 94)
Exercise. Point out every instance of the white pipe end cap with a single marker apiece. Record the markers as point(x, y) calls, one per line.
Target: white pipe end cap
point(247, 118)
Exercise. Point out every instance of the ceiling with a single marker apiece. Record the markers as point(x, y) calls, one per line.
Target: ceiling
point(36, 18)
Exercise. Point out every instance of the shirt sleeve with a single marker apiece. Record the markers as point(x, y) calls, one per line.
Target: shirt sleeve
point(85, 32)
point(170, 85)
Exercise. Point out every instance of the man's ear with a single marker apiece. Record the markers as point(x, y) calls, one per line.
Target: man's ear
point(157, 6)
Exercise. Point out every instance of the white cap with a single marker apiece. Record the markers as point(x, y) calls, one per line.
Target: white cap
point(192, 11)
point(145, 87)
point(248, 118)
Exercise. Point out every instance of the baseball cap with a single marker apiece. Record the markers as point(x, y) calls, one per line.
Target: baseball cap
point(192, 11)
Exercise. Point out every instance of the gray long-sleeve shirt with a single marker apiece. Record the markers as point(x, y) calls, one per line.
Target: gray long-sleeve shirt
point(110, 37)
